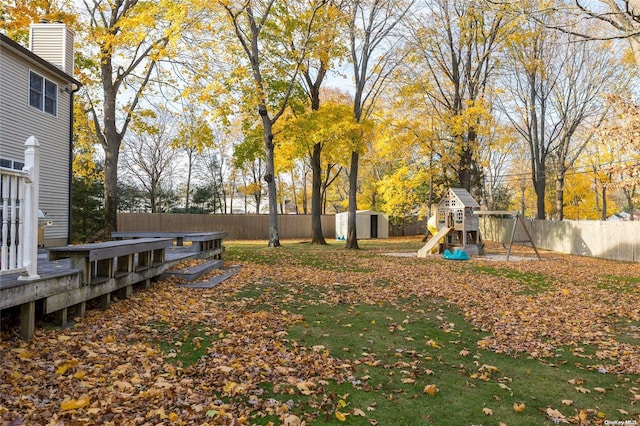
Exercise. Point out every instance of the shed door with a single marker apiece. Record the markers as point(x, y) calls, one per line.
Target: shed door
point(374, 226)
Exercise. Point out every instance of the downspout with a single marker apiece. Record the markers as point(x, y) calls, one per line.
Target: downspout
point(74, 89)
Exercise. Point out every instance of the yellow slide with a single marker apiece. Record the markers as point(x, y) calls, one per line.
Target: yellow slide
point(432, 244)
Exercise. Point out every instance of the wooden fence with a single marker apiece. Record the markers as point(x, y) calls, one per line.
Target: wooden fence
point(615, 240)
point(238, 227)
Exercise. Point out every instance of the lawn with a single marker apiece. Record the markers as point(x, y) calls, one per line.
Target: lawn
point(326, 336)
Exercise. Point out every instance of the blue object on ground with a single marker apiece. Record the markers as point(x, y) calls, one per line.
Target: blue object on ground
point(458, 254)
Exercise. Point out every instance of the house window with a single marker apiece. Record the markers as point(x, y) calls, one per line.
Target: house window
point(10, 164)
point(43, 94)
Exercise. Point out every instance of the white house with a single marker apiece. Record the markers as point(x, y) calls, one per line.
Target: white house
point(369, 224)
point(36, 99)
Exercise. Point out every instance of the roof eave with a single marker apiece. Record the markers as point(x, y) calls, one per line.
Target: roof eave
point(5, 40)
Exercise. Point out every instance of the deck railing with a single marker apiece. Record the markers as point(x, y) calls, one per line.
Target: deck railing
point(19, 193)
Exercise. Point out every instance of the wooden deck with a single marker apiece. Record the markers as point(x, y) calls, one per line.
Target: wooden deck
point(66, 283)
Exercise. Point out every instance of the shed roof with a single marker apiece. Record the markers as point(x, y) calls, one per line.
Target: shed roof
point(362, 212)
point(463, 196)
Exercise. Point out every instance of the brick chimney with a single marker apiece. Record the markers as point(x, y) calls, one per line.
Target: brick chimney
point(53, 42)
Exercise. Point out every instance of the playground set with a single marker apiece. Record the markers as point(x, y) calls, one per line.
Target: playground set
point(455, 227)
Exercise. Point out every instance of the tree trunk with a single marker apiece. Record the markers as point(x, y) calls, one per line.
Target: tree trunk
point(153, 199)
point(111, 141)
point(316, 200)
point(221, 195)
point(464, 167)
point(560, 196)
point(295, 195)
point(604, 203)
point(305, 198)
point(269, 177)
point(352, 238)
point(629, 195)
point(539, 183)
point(189, 167)
point(111, 153)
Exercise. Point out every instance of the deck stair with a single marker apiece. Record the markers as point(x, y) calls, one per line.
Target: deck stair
point(193, 272)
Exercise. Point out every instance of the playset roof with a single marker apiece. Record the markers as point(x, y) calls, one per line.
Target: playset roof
point(463, 196)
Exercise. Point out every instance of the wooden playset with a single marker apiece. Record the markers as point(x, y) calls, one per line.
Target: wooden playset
point(456, 227)
point(457, 224)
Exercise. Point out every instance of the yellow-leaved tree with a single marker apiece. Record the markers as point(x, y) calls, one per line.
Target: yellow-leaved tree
point(330, 130)
point(455, 46)
point(329, 47)
point(128, 39)
point(17, 15)
point(622, 133)
point(275, 38)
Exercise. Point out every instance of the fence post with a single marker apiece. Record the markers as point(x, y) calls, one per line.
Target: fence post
point(31, 165)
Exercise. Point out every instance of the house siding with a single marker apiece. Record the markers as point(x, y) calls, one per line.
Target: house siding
point(46, 40)
point(18, 121)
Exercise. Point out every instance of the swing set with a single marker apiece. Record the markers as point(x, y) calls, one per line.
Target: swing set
point(517, 220)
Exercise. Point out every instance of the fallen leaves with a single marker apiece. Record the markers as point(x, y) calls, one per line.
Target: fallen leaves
point(305, 387)
point(292, 420)
point(341, 416)
point(519, 407)
point(431, 389)
point(556, 416)
point(74, 404)
point(109, 369)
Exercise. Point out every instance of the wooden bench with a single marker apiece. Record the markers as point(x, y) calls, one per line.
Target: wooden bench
point(178, 236)
point(206, 244)
point(112, 258)
point(104, 268)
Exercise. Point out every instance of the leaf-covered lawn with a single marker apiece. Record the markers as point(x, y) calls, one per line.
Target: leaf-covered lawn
point(322, 335)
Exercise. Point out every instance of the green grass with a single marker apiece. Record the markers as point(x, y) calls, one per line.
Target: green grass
point(626, 330)
point(398, 350)
point(431, 343)
point(295, 254)
point(620, 284)
point(532, 283)
point(183, 347)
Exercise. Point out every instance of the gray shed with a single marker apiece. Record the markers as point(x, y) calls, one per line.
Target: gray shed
point(369, 224)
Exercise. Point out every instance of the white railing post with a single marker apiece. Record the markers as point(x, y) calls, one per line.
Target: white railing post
point(4, 258)
point(32, 166)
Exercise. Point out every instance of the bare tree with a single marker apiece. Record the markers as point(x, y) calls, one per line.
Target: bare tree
point(148, 159)
point(194, 136)
point(589, 74)
point(605, 20)
point(555, 92)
